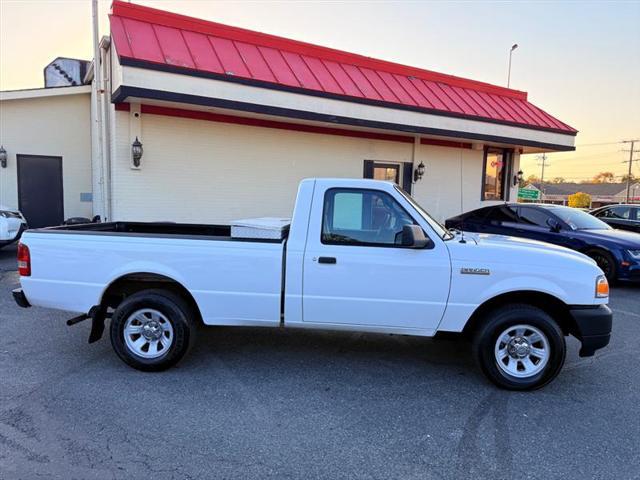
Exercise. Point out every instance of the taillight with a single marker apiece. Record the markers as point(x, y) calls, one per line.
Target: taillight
point(24, 260)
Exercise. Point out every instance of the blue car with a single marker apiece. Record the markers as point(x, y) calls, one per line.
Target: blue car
point(617, 252)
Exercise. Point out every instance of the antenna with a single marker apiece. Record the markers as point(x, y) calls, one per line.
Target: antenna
point(462, 240)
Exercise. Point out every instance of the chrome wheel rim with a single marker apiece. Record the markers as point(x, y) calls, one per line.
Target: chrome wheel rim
point(522, 351)
point(148, 333)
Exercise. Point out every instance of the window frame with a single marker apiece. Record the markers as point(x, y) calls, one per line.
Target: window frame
point(496, 210)
point(507, 155)
point(405, 171)
point(614, 216)
point(395, 166)
point(329, 191)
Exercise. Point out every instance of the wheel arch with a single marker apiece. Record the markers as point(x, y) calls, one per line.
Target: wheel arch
point(130, 283)
point(550, 304)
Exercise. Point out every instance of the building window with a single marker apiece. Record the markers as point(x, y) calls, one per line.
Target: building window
point(363, 217)
point(384, 171)
point(399, 173)
point(497, 165)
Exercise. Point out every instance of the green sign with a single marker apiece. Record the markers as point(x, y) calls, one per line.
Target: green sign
point(528, 194)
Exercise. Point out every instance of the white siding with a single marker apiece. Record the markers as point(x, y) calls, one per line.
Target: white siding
point(49, 125)
point(200, 171)
point(452, 182)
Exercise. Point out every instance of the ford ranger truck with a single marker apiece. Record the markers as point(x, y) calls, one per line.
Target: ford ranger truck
point(357, 255)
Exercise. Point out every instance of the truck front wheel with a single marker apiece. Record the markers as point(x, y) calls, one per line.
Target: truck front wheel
point(152, 330)
point(519, 347)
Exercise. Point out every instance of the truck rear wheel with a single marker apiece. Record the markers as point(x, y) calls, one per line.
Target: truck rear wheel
point(152, 330)
point(519, 347)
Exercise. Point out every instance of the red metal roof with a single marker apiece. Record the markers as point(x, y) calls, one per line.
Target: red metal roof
point(154, 38)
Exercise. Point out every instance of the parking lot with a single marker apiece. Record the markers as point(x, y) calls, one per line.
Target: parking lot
point(254, 403)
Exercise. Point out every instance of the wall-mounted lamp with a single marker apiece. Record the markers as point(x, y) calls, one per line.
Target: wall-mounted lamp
point(418, 172)
point(136, 152)
point(3, 157)
point(517, 178)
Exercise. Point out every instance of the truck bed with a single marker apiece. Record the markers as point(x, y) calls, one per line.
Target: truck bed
point(233, 281)
point(156, 229)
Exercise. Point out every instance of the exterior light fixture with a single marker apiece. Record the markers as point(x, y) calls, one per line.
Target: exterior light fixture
point(3, 157)
point(418, 172)
point(517, 178)
point(136, 152)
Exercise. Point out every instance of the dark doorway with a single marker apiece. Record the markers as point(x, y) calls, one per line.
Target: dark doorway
point(40, 195)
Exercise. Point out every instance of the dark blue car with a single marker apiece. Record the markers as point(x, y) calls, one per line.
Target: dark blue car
point(617, 252)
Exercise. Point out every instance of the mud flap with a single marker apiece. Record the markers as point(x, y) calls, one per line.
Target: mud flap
point(98, 315)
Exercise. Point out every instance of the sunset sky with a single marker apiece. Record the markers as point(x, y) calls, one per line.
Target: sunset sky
point(579, 61)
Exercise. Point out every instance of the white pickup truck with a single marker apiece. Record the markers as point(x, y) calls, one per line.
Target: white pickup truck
point(360, 255)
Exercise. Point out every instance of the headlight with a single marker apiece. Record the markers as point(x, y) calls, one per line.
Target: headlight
point(602, 287)
point(634, 254)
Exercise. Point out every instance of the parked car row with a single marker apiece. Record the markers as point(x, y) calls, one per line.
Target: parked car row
point(617, 252)
point(12, 224)
point(624, 217)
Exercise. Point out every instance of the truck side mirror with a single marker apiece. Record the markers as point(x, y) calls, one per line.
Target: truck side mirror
point(413, 237)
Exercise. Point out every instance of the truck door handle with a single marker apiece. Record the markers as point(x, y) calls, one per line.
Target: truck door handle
point(329, 260)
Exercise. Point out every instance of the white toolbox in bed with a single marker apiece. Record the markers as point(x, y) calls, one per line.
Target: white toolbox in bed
point(264, 228)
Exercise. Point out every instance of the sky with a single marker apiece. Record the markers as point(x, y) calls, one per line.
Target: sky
point(579, 60)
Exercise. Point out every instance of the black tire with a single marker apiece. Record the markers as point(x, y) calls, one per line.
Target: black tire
point(174, 309)
point(606, 262)
point(499, 320)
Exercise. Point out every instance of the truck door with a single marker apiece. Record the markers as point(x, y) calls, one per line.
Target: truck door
point(356, 271)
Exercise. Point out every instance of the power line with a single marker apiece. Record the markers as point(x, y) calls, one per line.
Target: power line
point(601, 143)
point(596, 144)
point(582, 157)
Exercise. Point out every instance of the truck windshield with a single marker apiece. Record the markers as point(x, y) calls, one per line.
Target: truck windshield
point(437, 227)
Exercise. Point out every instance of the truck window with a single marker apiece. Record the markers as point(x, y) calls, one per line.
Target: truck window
point(362, 217)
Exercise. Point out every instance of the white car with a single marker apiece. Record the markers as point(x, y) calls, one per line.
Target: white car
point(12, 224)
point(358, 255)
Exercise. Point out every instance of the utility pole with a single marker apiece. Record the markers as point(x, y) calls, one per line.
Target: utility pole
point(542, 160)
point(632, 142)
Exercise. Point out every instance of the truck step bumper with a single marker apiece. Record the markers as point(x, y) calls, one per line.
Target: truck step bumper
point(20, 298)
point(593, 328)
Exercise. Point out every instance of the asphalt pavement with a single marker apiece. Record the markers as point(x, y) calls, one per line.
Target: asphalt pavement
point(260, 403)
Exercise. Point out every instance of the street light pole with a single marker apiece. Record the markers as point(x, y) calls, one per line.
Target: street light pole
point(513, 47)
